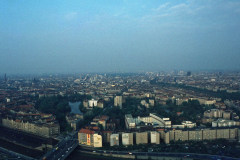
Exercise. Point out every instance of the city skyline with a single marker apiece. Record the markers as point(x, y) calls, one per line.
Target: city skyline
point(118, 36)
point(120, 115)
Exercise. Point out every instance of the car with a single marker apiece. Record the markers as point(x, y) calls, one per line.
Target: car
point(130, 153)
point(150, 150)
point(104, 151)
point(94, 151)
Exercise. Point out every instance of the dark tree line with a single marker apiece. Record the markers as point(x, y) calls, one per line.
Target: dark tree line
point(59, 106)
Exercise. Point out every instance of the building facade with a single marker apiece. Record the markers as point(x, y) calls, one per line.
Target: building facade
point(40, 129)
point(127, 139)
point(141, 137)
point(118, 101)
point(114, 140)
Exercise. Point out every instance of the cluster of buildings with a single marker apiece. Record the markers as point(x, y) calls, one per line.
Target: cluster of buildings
point(225, 123)
point(152, 120)
point(105, 88)
point(89, 104)
point(161, 131)
point(40, 129)
point(218, 113)
point(200, 134)
point(73, 120)
point(221, 118)
point(148, 103)
point(90, 138)
point(213, 81)
point(27, 119)
point(86, 136)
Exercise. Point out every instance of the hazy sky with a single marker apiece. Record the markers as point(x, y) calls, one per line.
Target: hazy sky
point(46, 36)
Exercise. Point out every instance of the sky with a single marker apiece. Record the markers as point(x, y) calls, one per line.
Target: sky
point(75, 36)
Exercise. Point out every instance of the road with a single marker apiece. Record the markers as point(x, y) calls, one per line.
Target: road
point(180, 155)
point(63, 148)
point(13, 155)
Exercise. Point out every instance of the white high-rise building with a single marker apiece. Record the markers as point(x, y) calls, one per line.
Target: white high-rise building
point(97, 140)
point(114, 140)
point(155, 137)
point(127, 139)
point(118, 101)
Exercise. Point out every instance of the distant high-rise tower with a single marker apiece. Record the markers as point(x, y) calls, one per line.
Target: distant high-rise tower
point(118, 101)
point(5, 77)
point(189, 73)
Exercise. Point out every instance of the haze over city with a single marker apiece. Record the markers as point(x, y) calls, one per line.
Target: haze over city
point(120, 79)
point(121, 35)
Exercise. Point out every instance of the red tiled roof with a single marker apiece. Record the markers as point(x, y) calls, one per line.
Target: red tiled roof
point(95, 128)
point(25, 106)
point(18, 120)
point(87, 131)
point(104, 117)
point(160, 129)
point(107, 131)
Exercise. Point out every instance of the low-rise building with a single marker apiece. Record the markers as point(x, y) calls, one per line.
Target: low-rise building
point(189, 124)
point(152, 120)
